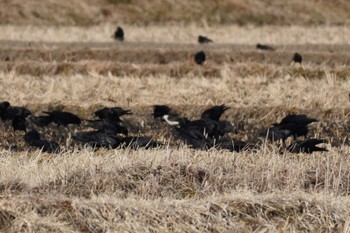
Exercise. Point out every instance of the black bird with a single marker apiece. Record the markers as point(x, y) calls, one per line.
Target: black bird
point(160, 110)
point(119, 34)
point(97, 139)
point(139, 142)
point(214, 113)
point(110, 113)
point(264, 47)
point(300, 119)
point(200, 58)
point(292, 125)
point(306, 146)
point(32, 138)
point(204, 40)
point(8, 112)
point(231, 145)
point(297, 58)
point(194, 136)
point(63, 118)
point(19, 124)
point(109, 126)
point(41, 121)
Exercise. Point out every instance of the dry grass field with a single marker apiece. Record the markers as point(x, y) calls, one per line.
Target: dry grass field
point(49, 64)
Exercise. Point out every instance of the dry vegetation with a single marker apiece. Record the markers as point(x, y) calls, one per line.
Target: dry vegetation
point(177, 189)
point(54, 12)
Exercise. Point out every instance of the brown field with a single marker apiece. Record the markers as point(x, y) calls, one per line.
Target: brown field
point(177, 189)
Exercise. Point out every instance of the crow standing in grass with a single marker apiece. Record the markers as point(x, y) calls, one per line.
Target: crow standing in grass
point(119, 34)
point(204, 40)
point(264, 47)
point(297, 58)
point(63, 118)
point(295, 125)
point(200, 58)
point(32, 138)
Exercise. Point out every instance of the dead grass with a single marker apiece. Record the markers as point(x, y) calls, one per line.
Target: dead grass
point(53, 12)
point(251, 35)
point(174, 190)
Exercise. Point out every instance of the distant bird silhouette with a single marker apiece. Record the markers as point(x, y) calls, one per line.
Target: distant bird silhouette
point(297, 58)
point(32, 138)
point(264, 47)
point(307, 146)
point(200, 58)
point(112, 113)
point(214, 113)
point(204, 40)
point(160, 110)
point(63, 118)
point(119, 34)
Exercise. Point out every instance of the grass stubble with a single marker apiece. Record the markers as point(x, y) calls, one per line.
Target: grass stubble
point(179, 189)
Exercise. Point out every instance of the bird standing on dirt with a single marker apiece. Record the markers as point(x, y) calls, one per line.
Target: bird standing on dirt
point(200, 58)
point(204, 40)
point(264, 47)
point(119, 34)
point(297, 58)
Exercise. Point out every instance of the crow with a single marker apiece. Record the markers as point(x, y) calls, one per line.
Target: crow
point(8, 112)
point(138, 142)
point(63, 118)
point(97, 139)
point(204, 40)
point(264, 47)
point(307, 146)
point(292, 125)
point(110, 113)
point(300, 119)
point(109, 126)
point(297, 58)
point(231, 145)
point(119, 34)
point(200, 58)
point(19, 124)
point(160, 110)
point(32, 138)
point(214, 113)
point(40, 121)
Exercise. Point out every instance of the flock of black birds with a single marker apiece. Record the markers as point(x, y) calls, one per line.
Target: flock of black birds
point(200, 57)
point(108, 130)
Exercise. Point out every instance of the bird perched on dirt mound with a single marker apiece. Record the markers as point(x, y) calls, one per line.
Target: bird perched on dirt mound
point(200, 58)
point(204, 40)
point(119, 34)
